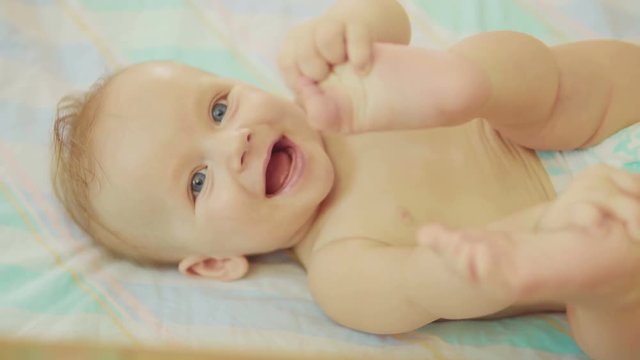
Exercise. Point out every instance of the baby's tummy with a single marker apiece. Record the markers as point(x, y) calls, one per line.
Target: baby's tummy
point(621, 150)
point(461, 177)
point(503, 176)
point(473, 177)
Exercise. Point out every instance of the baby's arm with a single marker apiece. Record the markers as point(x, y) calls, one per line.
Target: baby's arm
point(378, 288)
point(374, 287)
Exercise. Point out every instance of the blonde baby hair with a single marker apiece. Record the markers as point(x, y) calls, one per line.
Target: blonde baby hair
point(74, 168)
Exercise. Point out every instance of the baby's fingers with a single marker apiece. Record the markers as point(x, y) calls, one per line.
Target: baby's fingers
point(359, 47)
point(627, 181)
point(310, 62)
point(478, 256)
point(330, 41)
point(287, 62)
point(624, 201)
point(627, 209)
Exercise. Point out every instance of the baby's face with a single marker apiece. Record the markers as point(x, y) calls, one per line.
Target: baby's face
point(193, 164)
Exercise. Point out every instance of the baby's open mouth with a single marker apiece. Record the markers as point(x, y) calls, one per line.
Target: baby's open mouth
point(279, 165)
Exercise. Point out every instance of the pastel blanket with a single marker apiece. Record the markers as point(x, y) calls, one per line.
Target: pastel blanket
point(57, 285)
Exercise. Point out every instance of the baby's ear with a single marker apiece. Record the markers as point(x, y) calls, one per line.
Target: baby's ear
point(219, 268)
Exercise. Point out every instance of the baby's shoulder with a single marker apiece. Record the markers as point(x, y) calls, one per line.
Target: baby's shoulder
point(333, 236)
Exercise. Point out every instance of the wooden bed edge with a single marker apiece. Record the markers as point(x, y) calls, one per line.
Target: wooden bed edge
point(16, 348)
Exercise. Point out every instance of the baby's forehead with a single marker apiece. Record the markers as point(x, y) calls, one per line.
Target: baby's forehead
point(148, 75)
point(161, 69)
point(138, 89)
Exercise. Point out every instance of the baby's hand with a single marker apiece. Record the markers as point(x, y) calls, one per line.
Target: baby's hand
point(312, 49)
point(349, 101)
point(586, 248)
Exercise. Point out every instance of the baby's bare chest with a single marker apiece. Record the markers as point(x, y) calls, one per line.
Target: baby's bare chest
point(388, 185)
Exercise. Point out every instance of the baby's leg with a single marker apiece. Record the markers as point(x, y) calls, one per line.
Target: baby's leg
point(406, 88)
point(594, 270)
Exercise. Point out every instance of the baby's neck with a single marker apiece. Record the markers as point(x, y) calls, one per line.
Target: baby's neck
point(301, 242)
point(304, 239)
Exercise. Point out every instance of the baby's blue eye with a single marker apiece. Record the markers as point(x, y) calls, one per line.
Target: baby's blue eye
point(218, 111)
point(197, 182)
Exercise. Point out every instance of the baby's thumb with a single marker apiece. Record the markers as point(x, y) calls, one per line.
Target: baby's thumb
point(322, 111)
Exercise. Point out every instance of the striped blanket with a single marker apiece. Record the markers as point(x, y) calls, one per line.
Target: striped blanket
point(56, 285)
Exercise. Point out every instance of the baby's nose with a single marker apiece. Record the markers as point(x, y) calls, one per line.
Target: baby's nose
point(241, 139)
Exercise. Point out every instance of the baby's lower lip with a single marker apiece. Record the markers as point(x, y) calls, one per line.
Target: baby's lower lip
point(297, 167)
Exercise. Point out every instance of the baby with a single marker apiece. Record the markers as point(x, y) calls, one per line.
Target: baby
point(439, 207)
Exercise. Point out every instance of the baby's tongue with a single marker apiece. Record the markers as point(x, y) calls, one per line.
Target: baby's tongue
point(277, 171)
